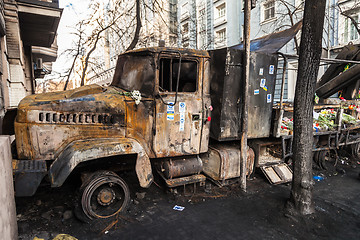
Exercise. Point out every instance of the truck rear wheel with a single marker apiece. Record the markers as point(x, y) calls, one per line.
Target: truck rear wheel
point(103, 195)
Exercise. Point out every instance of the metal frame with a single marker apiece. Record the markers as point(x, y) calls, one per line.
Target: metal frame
point(334, 140)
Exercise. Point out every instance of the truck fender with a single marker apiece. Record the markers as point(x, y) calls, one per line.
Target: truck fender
point(90, 149)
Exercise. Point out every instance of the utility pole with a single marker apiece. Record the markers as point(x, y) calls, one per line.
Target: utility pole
point(244, 122)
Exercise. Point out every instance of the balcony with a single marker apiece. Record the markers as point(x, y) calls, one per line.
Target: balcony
point(219, 21)
point(185, 16)
point(39, 21)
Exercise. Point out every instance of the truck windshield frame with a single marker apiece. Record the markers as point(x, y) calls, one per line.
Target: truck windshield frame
point(135, 72)
point(168, 71)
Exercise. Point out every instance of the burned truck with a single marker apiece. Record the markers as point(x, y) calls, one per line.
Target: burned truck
point(155, 115)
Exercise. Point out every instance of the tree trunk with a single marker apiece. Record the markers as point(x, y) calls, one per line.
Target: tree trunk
point(310, 51)
point(138, 27)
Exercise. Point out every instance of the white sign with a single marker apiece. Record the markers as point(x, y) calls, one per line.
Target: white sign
point(271, 69)
point(261, 71)
point(182, 107)
point(170, 111)
point(182, 122)
point(262, 82)
point(268, 98)
point(256, 91)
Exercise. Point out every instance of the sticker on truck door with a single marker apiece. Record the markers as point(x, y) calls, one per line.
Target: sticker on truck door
point(262, 82)
point(170, 112)
point(261, 71)
point(268, 98)
point(271, 69)
point(182, 107)
point(182, 122)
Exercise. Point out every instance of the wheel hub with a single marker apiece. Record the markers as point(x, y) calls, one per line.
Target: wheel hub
point(106, 196)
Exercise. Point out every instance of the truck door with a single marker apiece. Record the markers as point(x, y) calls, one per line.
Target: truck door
point(179, 120)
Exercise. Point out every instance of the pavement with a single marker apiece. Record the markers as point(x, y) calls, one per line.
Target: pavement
point(209, 213)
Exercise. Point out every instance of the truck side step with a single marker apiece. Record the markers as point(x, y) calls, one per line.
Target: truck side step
point(277, 173)
point(181, 181)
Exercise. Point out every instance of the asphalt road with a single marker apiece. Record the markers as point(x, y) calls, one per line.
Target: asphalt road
point(209, 213)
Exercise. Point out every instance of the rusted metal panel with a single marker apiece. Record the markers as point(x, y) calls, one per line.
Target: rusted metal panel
point(173, 168)
point(223, 162)
point(173, 139)
point(181, 181)
point(184, 51)
point(45, 125)
point(85, 150)
point(226, 94)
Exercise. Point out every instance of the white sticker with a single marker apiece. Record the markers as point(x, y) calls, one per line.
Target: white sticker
point(178, 208)
point(271, 69)
point(256, 91)
point(170, 112)
point(261, 71)
point(268, 98)
point(182, 122)
point(262, 82)
point(182, 107)
point(170, 107)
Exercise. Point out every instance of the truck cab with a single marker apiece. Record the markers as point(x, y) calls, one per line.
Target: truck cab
point(157, 107)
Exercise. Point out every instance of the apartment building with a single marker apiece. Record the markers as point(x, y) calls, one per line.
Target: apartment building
point(209, 24)
point(27, 42)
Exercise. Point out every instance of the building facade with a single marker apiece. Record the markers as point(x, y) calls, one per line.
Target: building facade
point(209, 24)
point(27, 41)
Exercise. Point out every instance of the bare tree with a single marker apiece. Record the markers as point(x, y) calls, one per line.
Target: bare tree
point(76, 51)
point(310, 51)
point(292, 13)
point(119, 28)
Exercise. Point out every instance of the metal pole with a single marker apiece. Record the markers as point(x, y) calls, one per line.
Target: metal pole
point(328, 33)
point(244, 122)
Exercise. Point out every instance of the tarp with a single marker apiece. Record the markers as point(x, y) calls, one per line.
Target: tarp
point(272, 43)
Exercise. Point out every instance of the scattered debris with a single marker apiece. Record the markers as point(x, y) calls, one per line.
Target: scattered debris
point(111, 225)
point(64, 237)
point(67, 215)
point(318, 178)
point(140, 195)
point(46, 215)
point(178, 208)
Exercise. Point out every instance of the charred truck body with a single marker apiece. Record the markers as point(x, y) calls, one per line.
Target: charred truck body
point(156, 111)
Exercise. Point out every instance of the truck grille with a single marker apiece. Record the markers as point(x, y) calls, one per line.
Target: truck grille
point(78, 118)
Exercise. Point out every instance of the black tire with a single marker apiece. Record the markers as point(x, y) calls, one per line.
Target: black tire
point(324, 159)
point(103, 195)
point(355, 150)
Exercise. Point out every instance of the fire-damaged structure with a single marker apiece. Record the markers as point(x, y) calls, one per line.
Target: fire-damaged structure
point(159, 114)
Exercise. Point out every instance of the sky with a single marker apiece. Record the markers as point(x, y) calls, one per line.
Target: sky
point(73, 10)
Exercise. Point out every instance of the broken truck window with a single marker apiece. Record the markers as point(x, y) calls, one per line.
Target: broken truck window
point(169, 73)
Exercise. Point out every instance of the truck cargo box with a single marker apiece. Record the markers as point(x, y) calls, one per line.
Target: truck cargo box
point(227, 96)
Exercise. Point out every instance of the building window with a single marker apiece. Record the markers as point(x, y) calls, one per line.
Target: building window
point(221, 36)
point(185, 29)
point(269, 9)
point(221, 10)
point(350, 32)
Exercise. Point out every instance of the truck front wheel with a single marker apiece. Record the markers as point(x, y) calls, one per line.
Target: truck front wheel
point(104, 194)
